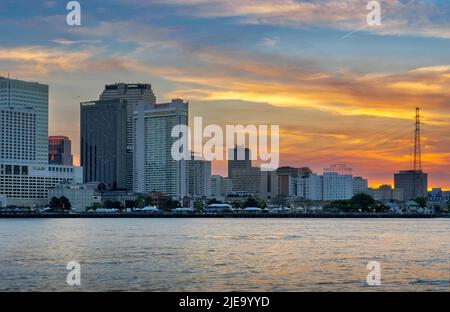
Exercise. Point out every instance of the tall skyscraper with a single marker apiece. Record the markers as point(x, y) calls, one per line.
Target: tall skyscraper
point(60, 151)
point(25, 174)
point(26, 103)
point(414, 184)
point(103, 146)
point(131, 93)
point(155, 170)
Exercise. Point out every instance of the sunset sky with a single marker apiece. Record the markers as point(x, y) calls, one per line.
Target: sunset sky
point(341, 91)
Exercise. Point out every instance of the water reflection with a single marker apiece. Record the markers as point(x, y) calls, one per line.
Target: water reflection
point(225, 254)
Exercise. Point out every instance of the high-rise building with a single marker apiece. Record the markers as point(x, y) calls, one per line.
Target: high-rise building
point(199, 177)
point(60, 151)
point(132, 93)
point(414, 184)
point(25, 114)
point(103, 146)
point(155, 169)
point(25, 174)
point(238, 158)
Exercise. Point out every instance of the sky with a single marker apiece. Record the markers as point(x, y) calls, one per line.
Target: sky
point(342, 91)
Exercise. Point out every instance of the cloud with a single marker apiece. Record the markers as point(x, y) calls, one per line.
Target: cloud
point(67, 42)
point(399, 17)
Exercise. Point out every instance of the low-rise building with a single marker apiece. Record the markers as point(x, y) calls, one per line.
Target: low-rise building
point(360, 185)
point(220, 186)
point(386, 193)
point(80, 196)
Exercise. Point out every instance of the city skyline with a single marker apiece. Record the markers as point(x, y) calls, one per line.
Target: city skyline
point(351, 98)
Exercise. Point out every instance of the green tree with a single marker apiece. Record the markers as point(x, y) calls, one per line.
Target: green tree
point(363, 202)
point(95, 206)
point(117, 205)
point(250, 202)
point(339, 205)
point(199, 206)
point(173, 204)
point(64, 203)
point(261, 203)
point(54, 203)
point(236, 204)
point(109, 204)
point(213, 201)
point(422, 202)
point(130, 204)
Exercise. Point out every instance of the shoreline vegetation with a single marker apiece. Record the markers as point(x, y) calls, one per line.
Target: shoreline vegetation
point(162, 215)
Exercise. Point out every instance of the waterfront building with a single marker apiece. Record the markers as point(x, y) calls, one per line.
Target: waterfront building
point(414, 184)
point(438, 196)
point(103, 142)
point(337, 186)
point(360, 185)
point(155, 170)
point(25, 174)
point(132, 93)
point(60, 151)
point(220, 186)
point(310, 187)
point(386, 193)
point(247, 180)
point(288, 178)
point(80, 196)
point(199, 177)
point(238, 158)
point(269, 185)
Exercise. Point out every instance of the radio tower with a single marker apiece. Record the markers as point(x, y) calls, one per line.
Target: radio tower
point(417, 150)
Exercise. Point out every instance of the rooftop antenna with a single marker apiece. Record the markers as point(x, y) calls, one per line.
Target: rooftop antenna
point(417, 148)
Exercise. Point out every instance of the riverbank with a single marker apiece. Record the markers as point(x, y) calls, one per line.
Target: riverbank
point(18, 215)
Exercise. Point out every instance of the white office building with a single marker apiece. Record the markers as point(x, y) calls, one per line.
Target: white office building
point(155, 170)
point(25, 175)
point(337, 186)
point(199, 177)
